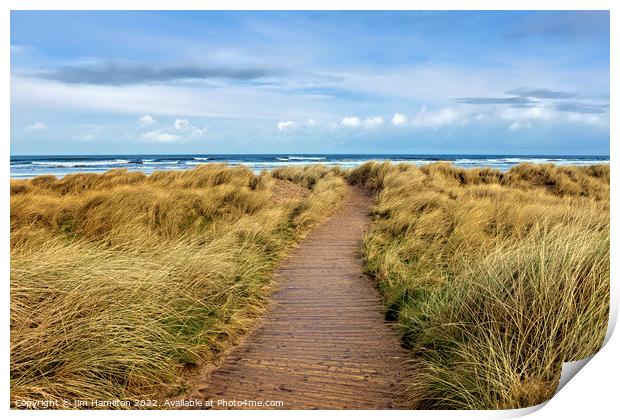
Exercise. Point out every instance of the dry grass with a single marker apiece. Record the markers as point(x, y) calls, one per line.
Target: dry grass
point(120, 280)
point(494, 278)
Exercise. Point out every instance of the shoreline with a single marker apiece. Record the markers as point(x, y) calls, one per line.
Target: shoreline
point(29, 167)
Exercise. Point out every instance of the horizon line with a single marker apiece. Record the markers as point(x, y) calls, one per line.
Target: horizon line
point(310, 154)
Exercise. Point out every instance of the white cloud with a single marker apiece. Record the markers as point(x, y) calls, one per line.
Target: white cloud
point(185, 126)
point(184, 131)
point(517, 118)
point(369, 122)
point(146, 120)
point(373, 122)
point(182, 124)
point(285, 125)
point(434, 85)
point(444, 83)
point(399, 119)
point(225, 101)
point(196, 132)
point(350, 122)
point(37, 126)
point(160, 136)
point(440, 117)
point(536, 113)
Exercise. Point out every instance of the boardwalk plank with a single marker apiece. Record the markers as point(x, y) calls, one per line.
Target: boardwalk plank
point(323, 342)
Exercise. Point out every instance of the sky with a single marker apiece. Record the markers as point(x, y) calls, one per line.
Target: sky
point(470, 82)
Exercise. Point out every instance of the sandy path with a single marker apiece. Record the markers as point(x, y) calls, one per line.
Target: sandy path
point(323, 342)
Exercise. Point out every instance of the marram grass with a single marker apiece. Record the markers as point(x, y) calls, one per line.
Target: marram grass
point(494, 279)
point(120, 280)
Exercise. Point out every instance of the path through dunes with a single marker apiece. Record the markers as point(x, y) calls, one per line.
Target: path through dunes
point(323, 342)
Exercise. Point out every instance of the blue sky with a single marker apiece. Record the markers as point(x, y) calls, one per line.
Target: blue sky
point(309, 82)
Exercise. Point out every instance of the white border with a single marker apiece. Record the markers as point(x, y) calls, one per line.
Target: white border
point(594, 391)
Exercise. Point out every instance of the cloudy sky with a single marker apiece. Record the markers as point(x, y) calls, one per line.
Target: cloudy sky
point(309, 82)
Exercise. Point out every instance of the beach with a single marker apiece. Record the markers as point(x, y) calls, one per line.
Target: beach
point(156, 279)
point(338, 209)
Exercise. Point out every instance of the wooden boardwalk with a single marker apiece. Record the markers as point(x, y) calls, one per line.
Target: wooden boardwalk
point(323, 342)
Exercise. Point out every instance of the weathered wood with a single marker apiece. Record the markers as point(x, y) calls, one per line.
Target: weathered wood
point(324, 342)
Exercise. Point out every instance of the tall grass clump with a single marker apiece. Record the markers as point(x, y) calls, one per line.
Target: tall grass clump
point(494, 278)
point(121, 281)
point(326, 183)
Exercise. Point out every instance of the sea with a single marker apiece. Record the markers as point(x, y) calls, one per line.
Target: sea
point(31, 166)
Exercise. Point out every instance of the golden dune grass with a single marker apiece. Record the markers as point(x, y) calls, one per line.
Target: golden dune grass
point(120, 280)
point(494, 278)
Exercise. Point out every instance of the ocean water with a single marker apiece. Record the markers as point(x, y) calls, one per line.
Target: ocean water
point(31, 166)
